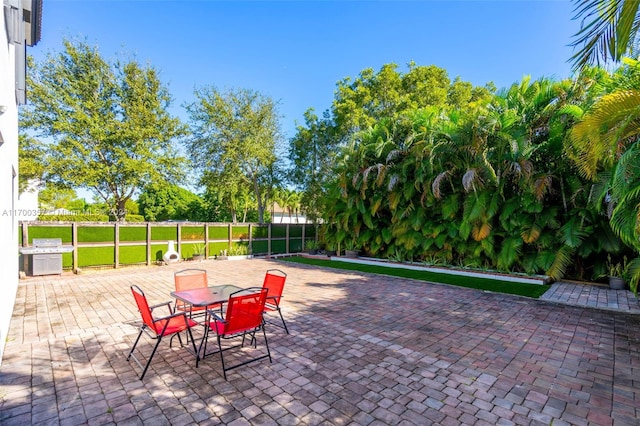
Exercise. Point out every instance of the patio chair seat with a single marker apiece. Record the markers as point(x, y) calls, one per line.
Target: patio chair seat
point(157, 328)
point(172, 325)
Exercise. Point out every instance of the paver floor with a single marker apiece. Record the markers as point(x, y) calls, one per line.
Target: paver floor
point(363, 349)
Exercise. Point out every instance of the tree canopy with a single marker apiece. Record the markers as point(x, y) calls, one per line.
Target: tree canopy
point(161, 201)
point(234, 141)
point(102, 127)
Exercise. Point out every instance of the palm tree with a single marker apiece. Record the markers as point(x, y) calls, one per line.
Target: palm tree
point(604, 145)
point(608, 30)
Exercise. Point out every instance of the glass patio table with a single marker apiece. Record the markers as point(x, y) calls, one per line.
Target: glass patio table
point(207, 296)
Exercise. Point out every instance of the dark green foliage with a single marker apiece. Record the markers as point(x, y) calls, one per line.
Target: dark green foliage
point(486, 185)
point(161, 201)
point(106, 124)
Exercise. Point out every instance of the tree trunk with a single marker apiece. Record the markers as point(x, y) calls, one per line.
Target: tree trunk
point(120, 212)
point(261, 202)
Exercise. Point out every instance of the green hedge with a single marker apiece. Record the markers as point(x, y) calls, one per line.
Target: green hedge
point(134, 218)
point(74, 218)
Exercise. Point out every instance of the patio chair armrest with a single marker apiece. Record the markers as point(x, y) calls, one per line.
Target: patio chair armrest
point(215, 316)
point(173, 315)
point(161, 304)
point(273, 300)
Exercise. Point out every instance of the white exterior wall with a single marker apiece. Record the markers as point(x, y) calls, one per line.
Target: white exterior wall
point(8, 184)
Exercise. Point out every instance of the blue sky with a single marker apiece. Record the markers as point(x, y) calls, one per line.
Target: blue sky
point(296, 51)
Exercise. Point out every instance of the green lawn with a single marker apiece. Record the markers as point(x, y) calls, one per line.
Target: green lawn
point(520, 289)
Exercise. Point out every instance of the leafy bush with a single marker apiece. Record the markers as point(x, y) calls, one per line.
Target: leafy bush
point(73, 218)
point(134, 218)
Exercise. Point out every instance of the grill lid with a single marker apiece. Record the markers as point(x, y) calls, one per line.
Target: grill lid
point(47, 242)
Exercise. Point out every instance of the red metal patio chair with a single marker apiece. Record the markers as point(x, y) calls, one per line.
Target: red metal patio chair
point(189, 279)
point(243, 317)
point(157, 328)
point(274, 281)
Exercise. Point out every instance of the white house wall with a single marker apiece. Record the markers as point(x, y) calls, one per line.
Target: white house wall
point(8, 184)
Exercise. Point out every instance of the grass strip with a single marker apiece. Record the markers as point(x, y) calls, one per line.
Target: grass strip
point(488, 284)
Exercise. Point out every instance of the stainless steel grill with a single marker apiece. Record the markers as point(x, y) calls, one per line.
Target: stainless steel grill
point(45, 256)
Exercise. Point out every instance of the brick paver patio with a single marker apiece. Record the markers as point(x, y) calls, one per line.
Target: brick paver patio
point(363, 349)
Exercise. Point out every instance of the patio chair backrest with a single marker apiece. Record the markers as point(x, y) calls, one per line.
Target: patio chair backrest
point(244, 311)
point(274, 281)
point(189, 279)
point(143, 306)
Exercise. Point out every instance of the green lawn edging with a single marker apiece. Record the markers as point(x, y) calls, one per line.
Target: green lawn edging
point(487, 284)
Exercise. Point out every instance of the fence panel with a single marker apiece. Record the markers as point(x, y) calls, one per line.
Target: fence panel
point(99, 244)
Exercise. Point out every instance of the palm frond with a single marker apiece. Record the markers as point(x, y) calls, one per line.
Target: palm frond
point(509, 253)
point(599, 139)
point(606, 30)
point(481, 231)
point(563, 258)
point(437, 182)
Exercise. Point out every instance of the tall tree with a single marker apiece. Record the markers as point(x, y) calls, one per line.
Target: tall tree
point(106, 126)
point(234, 142)
point(311, 154)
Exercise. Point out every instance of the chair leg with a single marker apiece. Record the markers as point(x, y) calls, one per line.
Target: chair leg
point(224, 370)
point(266, 342)
point(135, 343)
point(193, 342)
point(283, 323)
point(205, 337)
point(155, 348)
